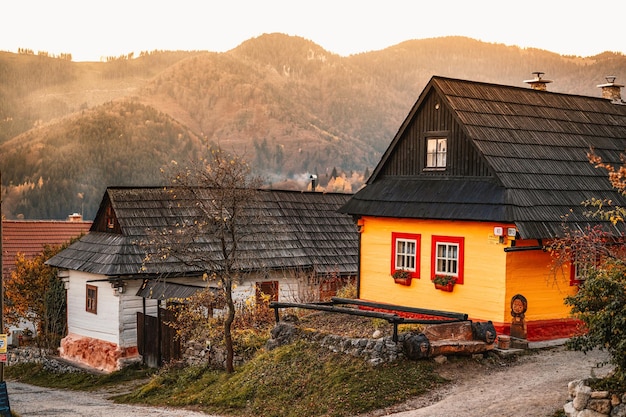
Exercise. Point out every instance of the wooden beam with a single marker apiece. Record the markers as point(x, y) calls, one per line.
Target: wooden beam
point(405, 309)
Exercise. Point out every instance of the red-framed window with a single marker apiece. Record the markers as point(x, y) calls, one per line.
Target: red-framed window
point(448, 257)
point(405, 253)
point(581, 267)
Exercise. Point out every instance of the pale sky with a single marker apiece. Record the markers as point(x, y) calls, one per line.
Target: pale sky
point(91, 29)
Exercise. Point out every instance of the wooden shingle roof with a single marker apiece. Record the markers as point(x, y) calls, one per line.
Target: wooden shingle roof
point(300, 230)
point(535, 144)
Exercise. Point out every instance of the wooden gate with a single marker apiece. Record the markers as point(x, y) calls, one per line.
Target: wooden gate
point(156, 341)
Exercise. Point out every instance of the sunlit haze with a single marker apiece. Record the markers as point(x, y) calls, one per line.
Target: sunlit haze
point(90, 30)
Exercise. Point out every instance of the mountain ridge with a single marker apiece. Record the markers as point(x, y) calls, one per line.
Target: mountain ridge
point(289, 106)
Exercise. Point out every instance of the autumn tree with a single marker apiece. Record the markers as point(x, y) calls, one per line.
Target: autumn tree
point(218, 196)
point(35, 293)
point(598, 256)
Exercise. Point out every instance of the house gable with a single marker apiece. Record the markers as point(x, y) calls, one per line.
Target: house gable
point(106, 219)
point(432, 117)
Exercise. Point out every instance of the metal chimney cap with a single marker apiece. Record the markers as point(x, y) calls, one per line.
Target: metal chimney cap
point(610, 82)
point(538, 79)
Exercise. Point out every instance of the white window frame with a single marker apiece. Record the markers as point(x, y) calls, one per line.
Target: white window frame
point(404, 256)
point(450, 262)
point(436, 152)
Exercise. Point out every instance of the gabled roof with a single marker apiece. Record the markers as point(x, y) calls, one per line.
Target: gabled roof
point(29, 237)
point(535, 144)
point(301, 230)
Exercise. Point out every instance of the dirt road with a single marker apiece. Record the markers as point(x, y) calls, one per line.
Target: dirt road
point(534, 385)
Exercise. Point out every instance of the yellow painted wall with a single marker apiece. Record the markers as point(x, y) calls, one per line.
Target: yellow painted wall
point(483, 294)
point(530, 274)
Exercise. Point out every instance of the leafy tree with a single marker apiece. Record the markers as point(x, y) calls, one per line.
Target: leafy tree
point(35, 293)
point(600, 257)
point(219, 195)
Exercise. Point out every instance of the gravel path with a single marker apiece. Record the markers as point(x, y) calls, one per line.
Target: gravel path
point(29, 400)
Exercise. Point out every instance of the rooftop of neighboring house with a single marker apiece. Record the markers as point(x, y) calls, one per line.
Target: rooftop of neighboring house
point(29, 237)
point(290, 229)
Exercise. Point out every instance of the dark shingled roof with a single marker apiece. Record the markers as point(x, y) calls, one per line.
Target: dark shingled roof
point(301, 230)
point(535, 143)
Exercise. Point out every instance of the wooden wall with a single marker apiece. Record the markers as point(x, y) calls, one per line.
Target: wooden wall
point(105, 324)
point(530, 274)
point(434, 118)
point(491, 276)
point(481, 295)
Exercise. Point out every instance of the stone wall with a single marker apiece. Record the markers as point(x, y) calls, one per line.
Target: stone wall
point(33, 354)
point(375, 351)
point(584, 402)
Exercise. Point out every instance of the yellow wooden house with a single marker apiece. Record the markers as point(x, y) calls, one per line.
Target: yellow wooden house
point(477, 181)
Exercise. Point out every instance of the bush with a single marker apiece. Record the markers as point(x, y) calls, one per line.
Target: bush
point(601, 305)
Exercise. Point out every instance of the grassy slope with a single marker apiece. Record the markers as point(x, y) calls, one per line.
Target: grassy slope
point(295, 380)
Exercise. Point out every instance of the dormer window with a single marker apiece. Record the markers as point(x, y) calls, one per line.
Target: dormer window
point(436, 151)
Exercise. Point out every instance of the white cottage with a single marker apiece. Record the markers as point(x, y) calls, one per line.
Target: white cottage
point(110, 288)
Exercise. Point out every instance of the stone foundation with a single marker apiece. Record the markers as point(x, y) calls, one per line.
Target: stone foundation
point(584, 402)
point(95, 353)
point(35, 355)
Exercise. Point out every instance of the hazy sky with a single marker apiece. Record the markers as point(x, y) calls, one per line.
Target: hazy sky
point(91, 29)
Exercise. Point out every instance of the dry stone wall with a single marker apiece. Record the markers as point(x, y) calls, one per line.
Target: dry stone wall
point(585, 402)
point(33, 354)
point(376, 351)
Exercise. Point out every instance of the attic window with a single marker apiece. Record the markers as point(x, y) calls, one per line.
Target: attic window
point(436, 151)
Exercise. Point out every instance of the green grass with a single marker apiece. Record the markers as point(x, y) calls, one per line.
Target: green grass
point(300, 380)
point(34, 374)
point(295, 380)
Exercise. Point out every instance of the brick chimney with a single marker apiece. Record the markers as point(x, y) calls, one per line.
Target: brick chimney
point(538, 83)
point(612, 91)
point(75, 217)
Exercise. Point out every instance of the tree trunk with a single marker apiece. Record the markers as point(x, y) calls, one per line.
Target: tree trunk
point(230, 318)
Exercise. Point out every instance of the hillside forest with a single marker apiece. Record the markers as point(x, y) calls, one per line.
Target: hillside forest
point(290, 108)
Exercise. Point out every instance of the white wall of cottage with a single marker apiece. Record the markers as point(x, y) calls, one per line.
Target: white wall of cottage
point(101, 325)
point(116, 317)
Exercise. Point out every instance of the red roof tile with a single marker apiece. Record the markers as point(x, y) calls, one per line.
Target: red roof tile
point(30, 236)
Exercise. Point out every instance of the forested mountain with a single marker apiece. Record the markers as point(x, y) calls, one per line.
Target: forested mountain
point(68, 130)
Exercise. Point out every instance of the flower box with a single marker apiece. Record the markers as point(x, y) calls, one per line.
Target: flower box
point(403, 281)
point(444, 283)
point(402, 277)
point(446, 287)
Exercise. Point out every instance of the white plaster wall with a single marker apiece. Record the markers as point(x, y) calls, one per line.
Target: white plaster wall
point(104, 324)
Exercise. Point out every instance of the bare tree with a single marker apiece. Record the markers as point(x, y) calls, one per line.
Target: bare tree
point(215, 201)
